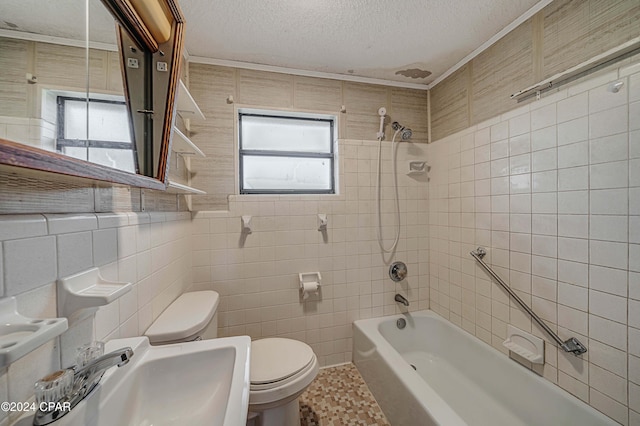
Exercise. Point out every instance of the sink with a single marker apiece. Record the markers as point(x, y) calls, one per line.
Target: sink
point(196, 383)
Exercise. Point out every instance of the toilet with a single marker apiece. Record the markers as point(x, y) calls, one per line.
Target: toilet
point(281, 369)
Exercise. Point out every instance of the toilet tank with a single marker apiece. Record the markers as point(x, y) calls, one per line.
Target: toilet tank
point(192, 316)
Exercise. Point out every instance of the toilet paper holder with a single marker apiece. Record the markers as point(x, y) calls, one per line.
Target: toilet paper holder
point(309, 283)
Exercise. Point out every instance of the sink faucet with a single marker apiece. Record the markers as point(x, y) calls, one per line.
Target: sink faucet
point(400, 298)
point(84, 380)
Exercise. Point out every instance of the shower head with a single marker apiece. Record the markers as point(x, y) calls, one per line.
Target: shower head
point(405, 132)
point(382, 112)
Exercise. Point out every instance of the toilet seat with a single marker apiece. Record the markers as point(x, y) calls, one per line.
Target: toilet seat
point(281, 369)
point(276, 359)
point(292, 378)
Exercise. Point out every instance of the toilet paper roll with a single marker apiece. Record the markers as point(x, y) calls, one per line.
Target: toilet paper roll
point(309, 287)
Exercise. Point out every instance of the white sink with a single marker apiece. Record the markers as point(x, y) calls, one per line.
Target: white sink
point(195, 383)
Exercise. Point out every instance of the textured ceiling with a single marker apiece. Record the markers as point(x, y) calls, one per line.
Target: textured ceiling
point(58, 18)
point(408, 41)
point(370, 38)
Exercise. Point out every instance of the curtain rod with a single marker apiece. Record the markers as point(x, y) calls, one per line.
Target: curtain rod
point(596, 63)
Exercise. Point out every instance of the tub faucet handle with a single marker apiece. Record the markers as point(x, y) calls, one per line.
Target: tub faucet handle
point(398, 271)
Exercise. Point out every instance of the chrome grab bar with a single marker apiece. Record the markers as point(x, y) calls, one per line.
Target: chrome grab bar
point(569, 345)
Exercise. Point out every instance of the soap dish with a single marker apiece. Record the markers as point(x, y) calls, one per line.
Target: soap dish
point(80, 295)
point(20, 335)
point(417, 168)
point(525, 344)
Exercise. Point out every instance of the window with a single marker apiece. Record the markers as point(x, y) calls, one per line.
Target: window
point(108, 141)
point(286, 154)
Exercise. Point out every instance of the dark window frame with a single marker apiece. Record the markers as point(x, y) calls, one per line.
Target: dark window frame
point(62, 142)
point(290, 154)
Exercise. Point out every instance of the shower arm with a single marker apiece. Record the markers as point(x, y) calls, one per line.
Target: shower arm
point(570, 345)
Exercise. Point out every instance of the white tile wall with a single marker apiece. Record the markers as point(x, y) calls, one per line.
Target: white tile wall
point(36, 250)
point(28, 263)
point(257, 274)
point(567, 239)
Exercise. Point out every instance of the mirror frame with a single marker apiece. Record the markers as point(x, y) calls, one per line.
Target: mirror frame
point(15, 155)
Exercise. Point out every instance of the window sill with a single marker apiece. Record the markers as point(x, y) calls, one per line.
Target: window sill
point(288, 197)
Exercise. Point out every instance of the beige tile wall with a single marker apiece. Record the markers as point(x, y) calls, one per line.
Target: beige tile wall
point(257, 274)
point(212, 85)
point(552, 190)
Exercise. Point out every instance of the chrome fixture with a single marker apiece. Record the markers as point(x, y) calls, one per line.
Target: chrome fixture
point(570, 345)
point(398, 271)
point(84, 380)
point(401, 323)
point(401, 299)
point(596, 63)
point(382, 112)
point(405, 132)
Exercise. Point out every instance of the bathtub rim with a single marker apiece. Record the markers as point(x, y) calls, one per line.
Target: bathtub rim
point(413, 381)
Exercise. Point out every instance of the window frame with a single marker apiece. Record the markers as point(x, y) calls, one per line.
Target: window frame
point(62, 142)
point(331, 155)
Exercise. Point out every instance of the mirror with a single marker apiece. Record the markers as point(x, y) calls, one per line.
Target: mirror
point(83, 96)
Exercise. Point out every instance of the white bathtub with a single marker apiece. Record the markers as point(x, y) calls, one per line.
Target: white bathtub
point(459, 380)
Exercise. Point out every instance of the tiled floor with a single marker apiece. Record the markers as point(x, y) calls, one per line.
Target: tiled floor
point(339, 396)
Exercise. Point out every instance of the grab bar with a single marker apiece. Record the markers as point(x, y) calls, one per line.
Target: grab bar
point(570, 345)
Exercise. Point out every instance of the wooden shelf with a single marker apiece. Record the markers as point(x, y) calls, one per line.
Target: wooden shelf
point(178, 188)
point(182, 144)
point(187, 107)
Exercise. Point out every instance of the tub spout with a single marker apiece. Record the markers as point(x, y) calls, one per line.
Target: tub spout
point(400, 298)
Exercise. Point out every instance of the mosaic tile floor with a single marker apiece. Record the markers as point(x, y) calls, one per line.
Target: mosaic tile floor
point(339, 396)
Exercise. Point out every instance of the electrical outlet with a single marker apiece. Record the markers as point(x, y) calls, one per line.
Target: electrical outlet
point(132, 63)
point(162, 66)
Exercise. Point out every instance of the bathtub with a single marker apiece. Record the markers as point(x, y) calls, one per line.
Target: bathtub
point(458, 379)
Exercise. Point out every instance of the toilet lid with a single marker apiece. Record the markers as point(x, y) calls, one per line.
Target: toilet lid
point(275, 359)
point(188, 315)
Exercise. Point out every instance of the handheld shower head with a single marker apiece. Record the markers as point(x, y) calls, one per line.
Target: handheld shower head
point(382, 112)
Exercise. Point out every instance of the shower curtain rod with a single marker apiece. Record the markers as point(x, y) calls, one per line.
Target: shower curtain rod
point(596, 63)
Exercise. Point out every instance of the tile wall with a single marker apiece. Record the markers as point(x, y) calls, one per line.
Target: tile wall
point(151, 250)
point(31, 131)
point(257, 274)
point(552, 190)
